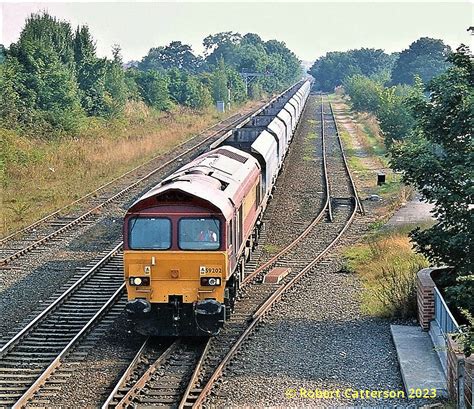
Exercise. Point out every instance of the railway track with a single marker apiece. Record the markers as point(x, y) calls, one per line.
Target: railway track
point(29, 358)
point(302, 255)
point(124, 188)
point(257, 298)
point(165, 380)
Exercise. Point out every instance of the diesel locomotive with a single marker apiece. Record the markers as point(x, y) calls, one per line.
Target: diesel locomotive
point(186, 241)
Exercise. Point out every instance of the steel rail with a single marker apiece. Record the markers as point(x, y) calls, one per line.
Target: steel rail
point(13, 341)
point(127, 399)
point(57, 361)
point(260, 313)
point(354, 187)
point(326, 178)
point(195, 375)
point(125, 375)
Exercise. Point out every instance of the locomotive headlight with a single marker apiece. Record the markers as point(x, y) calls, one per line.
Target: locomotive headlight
point(139, 281)
point(211, 281)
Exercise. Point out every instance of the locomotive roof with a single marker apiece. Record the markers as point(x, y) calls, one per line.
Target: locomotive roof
point(221, 177)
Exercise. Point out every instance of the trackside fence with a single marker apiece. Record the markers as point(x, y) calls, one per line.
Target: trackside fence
point(443, 317)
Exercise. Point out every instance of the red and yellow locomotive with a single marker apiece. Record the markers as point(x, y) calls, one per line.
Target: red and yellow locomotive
point(182, 243)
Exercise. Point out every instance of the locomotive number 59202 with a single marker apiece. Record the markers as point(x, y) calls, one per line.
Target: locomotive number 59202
point(210, 270)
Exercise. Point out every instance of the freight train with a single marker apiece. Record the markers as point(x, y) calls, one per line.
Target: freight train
point(187, 240)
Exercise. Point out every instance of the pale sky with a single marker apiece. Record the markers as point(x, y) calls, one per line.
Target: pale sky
point(310, 29)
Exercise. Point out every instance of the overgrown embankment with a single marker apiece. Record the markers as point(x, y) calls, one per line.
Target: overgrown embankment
point(367, 157)
point(39, 176)
point(387, 266)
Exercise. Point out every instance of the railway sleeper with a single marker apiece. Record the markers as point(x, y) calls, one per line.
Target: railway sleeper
point(17, 377)
point(38, 346)
point(34, 357)
point(58, 328)
point(19, 369)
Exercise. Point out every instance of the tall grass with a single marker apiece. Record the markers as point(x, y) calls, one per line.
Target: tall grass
point(387, 266)
point(39, 175)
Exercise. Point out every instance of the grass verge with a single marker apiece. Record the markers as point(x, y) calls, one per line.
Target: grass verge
point(387, 266)
point(367, 156)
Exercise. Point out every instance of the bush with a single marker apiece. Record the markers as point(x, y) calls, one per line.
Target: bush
point(466, 337)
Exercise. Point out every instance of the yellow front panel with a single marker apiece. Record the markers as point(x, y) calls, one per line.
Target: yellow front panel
point(175, 273)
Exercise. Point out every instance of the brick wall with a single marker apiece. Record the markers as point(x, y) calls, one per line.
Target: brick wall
point(425, 297)
point(454, 356)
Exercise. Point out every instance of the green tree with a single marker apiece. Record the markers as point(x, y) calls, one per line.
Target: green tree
point(236, 84)
point(251, 54)
point(438, 159)
point(196, 94)
point(394, 114)
point(153, 88)
point(252, 58)
point(3, 53)
point(364, 92)
point(222, 46)
point(425, 58)
point(251, 39)
point(115, 86)
point(389, 105)
point(330, 70)
point(43, 59)
point(117, 54)
point(175, 55)
point(219, 83)
point(373, 61)
point(16, 103)
point(284, 66)
point(57, 35)
point(187, 90)
point(90, 72)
